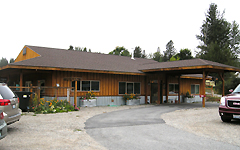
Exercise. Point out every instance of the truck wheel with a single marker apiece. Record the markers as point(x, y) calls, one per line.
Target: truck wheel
point(225, 119)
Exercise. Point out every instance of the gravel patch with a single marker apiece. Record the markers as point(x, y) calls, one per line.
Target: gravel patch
point(66, 130)
point(204, 122)
point(55, 131)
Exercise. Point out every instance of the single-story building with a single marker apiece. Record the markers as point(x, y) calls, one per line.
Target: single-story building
point(109, 76)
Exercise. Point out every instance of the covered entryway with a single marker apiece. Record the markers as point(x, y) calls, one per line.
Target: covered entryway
point(155, 91)
point(163, 71)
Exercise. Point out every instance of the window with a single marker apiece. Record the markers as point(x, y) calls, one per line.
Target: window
point(195, 88)
point(78, 85)
point(24, 51)
point(129, 87)
point(136, 88)
point(173, 88)
point(87, 85)
point(122, 87)
point(94, 85)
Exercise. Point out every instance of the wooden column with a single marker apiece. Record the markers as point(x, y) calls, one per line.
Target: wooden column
point(222, 77)
point(223, 84)
point(39, 91)
point(179, 89)
point(159, 88)
point(21, 80)
point(75, 94)
point(166, 88)
point(146, 89)
point(203, 88)
point(31, 97)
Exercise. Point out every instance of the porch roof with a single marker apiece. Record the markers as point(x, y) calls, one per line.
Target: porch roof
point(190, 65)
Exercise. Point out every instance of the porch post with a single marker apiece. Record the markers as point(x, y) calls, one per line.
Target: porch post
point(203, 88)
point(146, 89)
point(21, 80)
point(222, 77)
point(223, 84)
point(166, 88)
point(179, 88)
point(159, 88)
point(75, 94)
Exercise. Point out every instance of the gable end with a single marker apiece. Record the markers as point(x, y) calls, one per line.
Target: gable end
point(26, 53)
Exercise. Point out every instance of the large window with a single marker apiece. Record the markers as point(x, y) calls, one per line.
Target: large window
point(129, 87)
point(78, 85)
point(173, 88)
point(195, 88)
point(87, 85)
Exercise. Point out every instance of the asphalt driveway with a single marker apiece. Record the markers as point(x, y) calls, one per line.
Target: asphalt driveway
point(143, 128)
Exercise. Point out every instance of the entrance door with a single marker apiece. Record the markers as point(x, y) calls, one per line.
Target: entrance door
point(154, 92)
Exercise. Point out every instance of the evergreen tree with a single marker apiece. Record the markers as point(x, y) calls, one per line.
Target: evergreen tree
point(12, 60)
point(185, 54)
point(3, 62)
point(70, 47)
point(138, 52)
point(219, 38)
point(157, 56)
point(170, 51)
point(234, 38)
point(121, 51)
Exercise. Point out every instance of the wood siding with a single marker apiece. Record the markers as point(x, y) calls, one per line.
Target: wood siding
point(109, 83)
point(29, 54)
point(185, 84)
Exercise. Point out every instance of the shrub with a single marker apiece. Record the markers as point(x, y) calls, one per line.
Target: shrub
point(51, 106)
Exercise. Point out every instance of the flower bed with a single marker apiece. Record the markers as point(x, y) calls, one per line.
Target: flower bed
point(43, 106)
point(89, 100)
point(131, 99)
point(88, 103)
point(133, 102)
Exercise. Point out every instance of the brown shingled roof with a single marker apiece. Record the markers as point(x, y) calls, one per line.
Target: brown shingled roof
point(60, 58)
point(186, 64)
point(68, 59)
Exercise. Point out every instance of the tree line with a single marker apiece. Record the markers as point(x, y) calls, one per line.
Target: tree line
point(4, 61)
point(219, 42)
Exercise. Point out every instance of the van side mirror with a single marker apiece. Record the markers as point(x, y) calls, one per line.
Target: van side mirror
point(231, 90)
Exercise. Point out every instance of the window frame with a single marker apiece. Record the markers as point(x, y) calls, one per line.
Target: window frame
point(80, 85)
point(126, 82)
point(195, 89)
point(24, 51)
point(173, 89)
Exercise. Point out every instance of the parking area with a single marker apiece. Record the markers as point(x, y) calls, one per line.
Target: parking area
point(68, 130)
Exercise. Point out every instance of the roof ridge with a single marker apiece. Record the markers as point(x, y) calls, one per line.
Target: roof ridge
point(96, 53)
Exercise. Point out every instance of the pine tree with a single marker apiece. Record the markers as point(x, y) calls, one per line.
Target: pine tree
point(170, 51)
point(217, 38)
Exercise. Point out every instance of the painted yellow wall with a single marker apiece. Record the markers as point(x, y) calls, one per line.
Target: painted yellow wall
point(29, 54)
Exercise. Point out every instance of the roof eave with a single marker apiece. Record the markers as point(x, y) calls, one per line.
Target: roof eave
point(68, 69)
point(191, 68)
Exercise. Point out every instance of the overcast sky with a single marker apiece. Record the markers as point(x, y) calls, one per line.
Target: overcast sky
point(101, 25)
